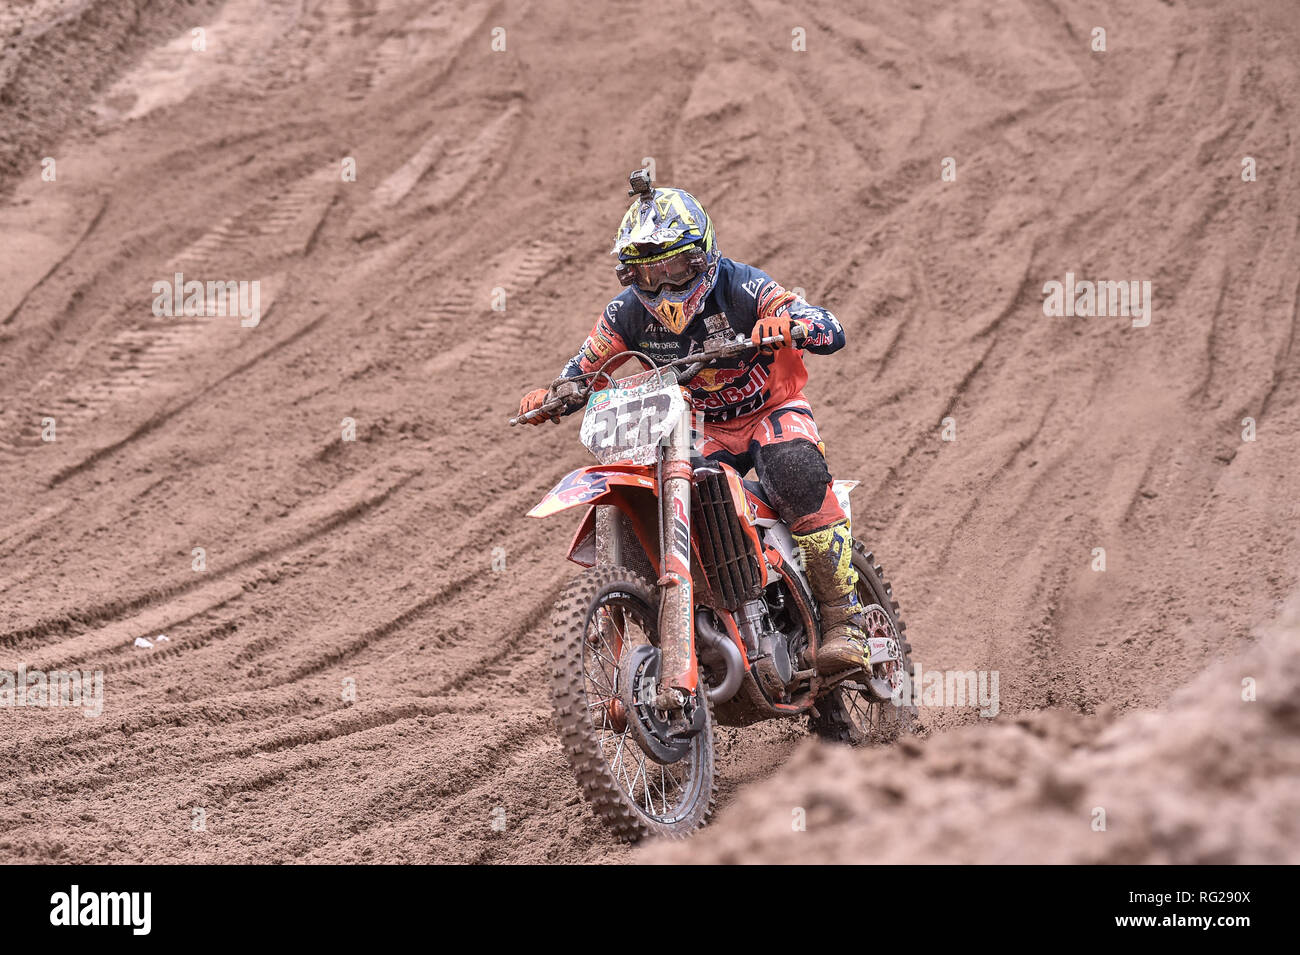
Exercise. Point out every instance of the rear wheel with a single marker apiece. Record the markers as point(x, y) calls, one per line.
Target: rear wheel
point(639, 780)
point(851, 713)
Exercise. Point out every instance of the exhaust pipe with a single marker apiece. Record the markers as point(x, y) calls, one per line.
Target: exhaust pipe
point(715, 639)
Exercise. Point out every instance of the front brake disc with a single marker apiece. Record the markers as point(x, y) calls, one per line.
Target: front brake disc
point(638, 682)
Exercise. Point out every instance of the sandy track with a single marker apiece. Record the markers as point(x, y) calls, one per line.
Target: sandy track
point(1207, 780)
point(372, 561)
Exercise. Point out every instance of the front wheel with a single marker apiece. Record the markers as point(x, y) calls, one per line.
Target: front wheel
point(638, 778)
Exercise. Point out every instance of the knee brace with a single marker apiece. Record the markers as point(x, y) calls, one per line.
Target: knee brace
point(795, 477)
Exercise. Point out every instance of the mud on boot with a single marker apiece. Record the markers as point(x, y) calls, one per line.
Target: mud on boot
point(828, 559)
point(844, 639)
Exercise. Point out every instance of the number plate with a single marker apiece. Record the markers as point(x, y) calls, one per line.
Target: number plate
point(626, 424)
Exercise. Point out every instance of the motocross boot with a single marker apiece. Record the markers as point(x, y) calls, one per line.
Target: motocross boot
point(828, 556)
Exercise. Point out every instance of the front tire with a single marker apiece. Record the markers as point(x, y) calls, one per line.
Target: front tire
point(600, 616)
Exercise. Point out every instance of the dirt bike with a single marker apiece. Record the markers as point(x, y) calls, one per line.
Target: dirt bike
point(694, 610)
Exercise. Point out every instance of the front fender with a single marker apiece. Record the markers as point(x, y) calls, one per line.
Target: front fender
point(587, 485)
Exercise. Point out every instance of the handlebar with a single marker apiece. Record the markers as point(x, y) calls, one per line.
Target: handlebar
point(699, 359)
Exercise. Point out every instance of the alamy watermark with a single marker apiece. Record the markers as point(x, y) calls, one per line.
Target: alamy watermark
point(77, 907)
point(178, 298)
point(1086, 299)
point(80, 688)
point(950, 688)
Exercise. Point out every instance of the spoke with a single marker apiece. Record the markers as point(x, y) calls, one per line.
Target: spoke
point(608, 659)
point(601, 692)
point(600, 632)
point(648, 784)
point(618, 755)
point(645, 787)
point(631, 782)
point(609, 748)
point(599, 675)
point(859, 714)
point(619, 629)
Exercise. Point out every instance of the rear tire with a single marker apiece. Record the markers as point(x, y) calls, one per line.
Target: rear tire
point(853, 716)
point(603, 612)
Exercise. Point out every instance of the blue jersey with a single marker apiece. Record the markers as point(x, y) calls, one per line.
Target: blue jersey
point(730, 387)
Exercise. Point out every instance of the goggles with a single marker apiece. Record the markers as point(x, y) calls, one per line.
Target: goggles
point(676, 270)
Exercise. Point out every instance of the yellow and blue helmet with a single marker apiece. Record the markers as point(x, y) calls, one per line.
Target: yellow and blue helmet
point(666, 252)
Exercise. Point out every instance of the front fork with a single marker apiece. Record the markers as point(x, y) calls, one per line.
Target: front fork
point(680, 667)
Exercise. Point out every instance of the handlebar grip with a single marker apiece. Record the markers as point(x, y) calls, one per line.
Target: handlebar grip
point(797, 334)
point(526, 417)
point(548, 410)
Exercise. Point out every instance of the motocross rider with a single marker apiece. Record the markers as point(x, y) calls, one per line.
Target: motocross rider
point(680, 294)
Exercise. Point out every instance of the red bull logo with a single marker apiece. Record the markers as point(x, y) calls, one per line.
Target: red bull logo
point(575, 488)
point(724, 393)
point(715, 379)
point(578, 487)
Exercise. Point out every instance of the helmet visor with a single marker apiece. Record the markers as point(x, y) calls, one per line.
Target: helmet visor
point(673, 272)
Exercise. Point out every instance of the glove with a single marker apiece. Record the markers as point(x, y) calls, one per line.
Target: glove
point(533, 401)
point(783, 326)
